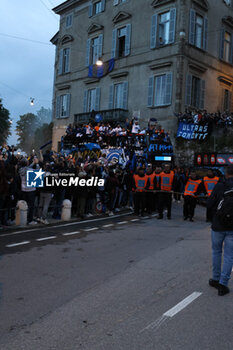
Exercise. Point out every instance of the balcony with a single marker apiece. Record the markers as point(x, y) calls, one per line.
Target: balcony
point(109, 116)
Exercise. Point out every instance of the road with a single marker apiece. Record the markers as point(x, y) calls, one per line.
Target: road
point(111, 284)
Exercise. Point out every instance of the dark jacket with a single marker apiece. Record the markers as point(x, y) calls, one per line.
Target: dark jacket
point(214, 199)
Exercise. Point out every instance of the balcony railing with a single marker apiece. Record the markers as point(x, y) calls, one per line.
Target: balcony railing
point(109, 115)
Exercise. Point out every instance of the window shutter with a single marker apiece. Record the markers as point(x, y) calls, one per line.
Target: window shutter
point(60, 64)
point(100, 48)
point(231, 50)
point(97, 99)
point(230, 102)
point(125, 95)
point(67, 62)
point(172, 28)
point(111, 91)
point(192, 20)
point(88, 51)
point(58, 102)
point(153, 34)
point(221, 51)
point(150, 92)
point(103, 4)
point(205, 34)
point(68, 105)
point(188, 90)
point(168, 94)
point(90, 10)
point(128, 40)
point(114, 41)
point(115, 2)
point(85, 101)
point(202, 94)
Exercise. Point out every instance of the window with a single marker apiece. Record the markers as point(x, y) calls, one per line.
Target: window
point(94, 49)
point(198, 30)
point(91, 100)
point(195, 91)
point(117, 2)
point(160, 90)
point(69, 20)
point(121, 41)
point(226, 100)
point(64, 61)
point(118, 97)
point(97, 7)
point(164, 25)
point(227, 46)
point(63, 106)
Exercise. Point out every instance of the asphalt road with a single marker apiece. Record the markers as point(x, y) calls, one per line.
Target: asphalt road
point(111, 284)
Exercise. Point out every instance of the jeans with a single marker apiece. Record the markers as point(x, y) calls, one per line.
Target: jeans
point(218, 238)
point(45, 199)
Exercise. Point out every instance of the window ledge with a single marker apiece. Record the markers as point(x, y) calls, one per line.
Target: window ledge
point(197, 48)
point(118, 75)
point(62, 118)
point(160, 65)
point(163, 106)
point(225, 62)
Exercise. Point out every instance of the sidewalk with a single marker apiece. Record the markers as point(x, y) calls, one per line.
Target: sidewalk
point(4, 229)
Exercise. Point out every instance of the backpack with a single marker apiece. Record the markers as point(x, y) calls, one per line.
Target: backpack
point(224, 210)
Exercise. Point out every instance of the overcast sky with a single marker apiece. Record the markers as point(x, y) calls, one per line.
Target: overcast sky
point(26, 68)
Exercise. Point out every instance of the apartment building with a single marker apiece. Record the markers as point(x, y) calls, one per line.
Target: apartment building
point(159, 57)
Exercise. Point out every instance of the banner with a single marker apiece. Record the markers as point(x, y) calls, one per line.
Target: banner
point(115, 154)
point(193, 131)
point(95, 71)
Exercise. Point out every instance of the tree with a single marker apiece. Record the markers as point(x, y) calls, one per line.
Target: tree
point(4, 123)
point(25, 129)
point(44, 116)
point(43, 134)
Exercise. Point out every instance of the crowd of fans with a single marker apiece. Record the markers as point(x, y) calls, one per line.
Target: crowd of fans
point(115, 135)
point(86, 201)
point(203, 117)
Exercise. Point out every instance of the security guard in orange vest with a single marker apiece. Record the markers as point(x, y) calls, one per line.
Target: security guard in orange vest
point(209, 183)
point(150, 195)
point(140, 184)
point(192, 188)
point(166, 186)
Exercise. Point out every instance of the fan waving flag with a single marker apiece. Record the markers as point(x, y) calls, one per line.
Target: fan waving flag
point(100, 71)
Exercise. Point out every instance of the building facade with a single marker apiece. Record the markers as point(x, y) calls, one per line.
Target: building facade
point(167, 55)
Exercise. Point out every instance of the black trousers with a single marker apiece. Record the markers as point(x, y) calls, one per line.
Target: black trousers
point(139, 202)
point(209, 214)
point(189, 206)
point(165, 201)
point(150, 199)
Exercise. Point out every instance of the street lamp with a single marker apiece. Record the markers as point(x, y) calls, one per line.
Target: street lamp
point(32, 101)
point(99, 62)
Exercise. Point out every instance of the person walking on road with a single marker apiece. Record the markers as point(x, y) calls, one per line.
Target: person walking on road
point(221, 204)
point(192, 189)
point(166, 187)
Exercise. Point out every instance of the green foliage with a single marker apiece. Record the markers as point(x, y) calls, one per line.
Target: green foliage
point(43, 134)
point(4, 123)
point(25, 129)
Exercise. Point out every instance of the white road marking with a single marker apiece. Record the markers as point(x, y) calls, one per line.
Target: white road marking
point(17, 244)
point(173, 311)
point(45, 238)
point(91, 229)
point(109, 225)
point(70, 233)
point(134, 220)
point(154, 215)
point(184, 303)
point(122, 222)
point(64, 225)
point(146, 217)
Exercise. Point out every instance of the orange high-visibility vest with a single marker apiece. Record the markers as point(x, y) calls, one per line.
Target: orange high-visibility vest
point(140, 182)
point(209, 184)
point(191, 187)
point(157, 178)
point(151, 177)
point(166, 181)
